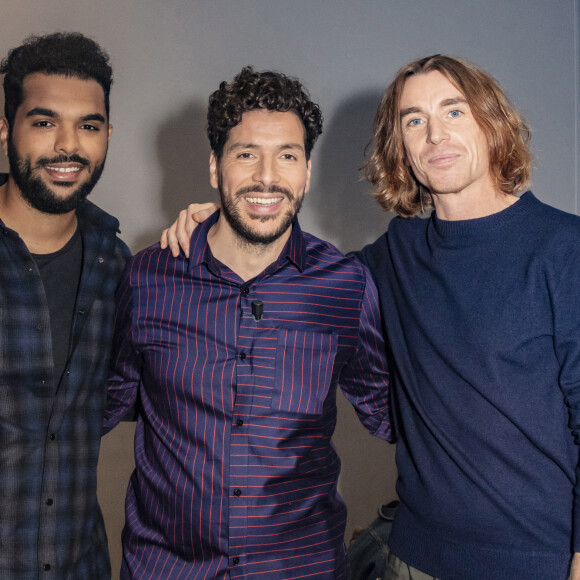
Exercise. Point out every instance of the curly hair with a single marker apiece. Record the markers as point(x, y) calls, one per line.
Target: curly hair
point(68, 54)
point(507, 134)
point(252, 90)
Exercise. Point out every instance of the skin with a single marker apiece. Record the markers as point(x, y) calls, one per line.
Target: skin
point(575, 567)
point(58, 117)
point(447, 150)
point(262, 176)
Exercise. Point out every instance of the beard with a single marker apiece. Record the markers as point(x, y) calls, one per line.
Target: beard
point(36, 193)
point(243, 229)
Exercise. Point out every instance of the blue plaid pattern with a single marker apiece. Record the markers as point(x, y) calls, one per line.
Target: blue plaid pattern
point(50, 521)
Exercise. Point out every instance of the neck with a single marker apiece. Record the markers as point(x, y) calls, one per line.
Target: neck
point(467, 205)
point(42, 233)
point(247, 260)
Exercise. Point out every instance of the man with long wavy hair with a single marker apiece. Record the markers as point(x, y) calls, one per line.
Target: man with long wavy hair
point(481, 301)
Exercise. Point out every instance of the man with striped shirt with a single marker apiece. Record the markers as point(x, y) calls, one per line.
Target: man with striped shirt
point(233, 356)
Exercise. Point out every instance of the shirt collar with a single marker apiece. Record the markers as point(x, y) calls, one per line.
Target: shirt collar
point(294, 250)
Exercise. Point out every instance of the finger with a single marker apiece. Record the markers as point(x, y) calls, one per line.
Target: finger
point(183, 232)
point(172, 236)
point(163, 240)
point(201, 211)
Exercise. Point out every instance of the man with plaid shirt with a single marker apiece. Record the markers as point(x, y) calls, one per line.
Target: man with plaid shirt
point(60, 262)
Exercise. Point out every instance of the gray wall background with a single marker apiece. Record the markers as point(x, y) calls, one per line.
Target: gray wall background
point(169, 55)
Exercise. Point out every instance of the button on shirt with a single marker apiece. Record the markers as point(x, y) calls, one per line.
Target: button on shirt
point(235, 473)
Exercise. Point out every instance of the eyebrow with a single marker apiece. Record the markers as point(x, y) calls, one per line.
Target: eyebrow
point(409, 111)
point(443, 103)
point(37, 111)
point(42, 112)
point(236, 146)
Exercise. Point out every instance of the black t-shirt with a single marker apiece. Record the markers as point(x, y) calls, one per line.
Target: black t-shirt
point(60, 273)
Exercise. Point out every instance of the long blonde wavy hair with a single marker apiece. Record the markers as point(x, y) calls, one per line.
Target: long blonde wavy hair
point(507, 133)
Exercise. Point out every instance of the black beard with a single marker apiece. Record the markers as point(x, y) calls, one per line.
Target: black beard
point(37, 194)
point(244, 231)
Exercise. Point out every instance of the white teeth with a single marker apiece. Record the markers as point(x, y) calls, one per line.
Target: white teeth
point(64, 169)
point(263, 201)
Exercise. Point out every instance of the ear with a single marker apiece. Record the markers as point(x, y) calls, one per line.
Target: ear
point(213, 170)
point(4, 130)
point(308, 166)
point(110, 132)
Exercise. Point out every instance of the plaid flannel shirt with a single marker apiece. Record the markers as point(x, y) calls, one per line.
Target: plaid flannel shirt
point(50, 521)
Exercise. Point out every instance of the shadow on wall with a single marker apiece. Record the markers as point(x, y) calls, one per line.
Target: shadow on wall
point(183, 157)
point(349, 216)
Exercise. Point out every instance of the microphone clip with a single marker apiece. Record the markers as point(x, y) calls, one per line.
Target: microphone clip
point(257, 309)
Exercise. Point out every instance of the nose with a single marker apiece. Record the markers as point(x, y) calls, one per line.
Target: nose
point(67, 141)
point(436, 131)
point(266, 171)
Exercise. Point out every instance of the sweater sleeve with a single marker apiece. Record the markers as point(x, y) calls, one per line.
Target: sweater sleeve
point(566, 312)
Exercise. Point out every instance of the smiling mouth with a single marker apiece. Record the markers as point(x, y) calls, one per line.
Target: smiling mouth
point(442, 159)
point(63, 170)
point(64, 173)
point(264, 201)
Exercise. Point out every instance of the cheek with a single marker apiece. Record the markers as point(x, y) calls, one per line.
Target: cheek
point(412, 157)
point(300, 181)
point(97, 151)
point(481, 152)
point(234, 174)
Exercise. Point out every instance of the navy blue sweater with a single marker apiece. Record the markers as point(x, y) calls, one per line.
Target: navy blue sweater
point(483, 324)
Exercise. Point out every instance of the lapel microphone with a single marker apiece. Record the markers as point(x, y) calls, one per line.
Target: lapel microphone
point(257, 309)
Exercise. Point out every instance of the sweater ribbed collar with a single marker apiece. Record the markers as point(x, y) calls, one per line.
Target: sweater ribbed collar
point(476, 228)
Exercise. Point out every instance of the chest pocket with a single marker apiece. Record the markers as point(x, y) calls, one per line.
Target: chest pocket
point(304, 363)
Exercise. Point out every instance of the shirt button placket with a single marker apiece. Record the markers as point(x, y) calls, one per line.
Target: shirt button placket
point(244, 290)
point(237, 493)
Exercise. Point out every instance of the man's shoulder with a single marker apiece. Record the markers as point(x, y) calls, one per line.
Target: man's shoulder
point(321, 253)
point(142, 257)
point(399, 228)
point(550, 223)
point(96, 224)
point(554, 214)
point(154, 259)
point(90, 213)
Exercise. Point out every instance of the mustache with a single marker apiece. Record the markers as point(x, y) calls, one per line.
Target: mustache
point(262, 189)
point(74, 158)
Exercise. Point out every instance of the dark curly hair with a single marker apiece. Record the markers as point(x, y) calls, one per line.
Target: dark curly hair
point(252, 90)
point(68, 54)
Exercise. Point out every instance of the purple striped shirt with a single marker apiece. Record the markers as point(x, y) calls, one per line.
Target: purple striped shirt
point(236, 476)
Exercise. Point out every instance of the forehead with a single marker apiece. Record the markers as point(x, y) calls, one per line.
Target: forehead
point(62, 94)
point(432, 87)
point(267, 127)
